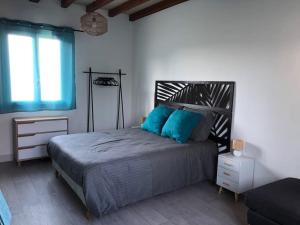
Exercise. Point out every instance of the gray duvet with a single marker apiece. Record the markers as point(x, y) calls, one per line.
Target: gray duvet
point(119, 167)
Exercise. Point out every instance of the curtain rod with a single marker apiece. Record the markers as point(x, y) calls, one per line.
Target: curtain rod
point(40, 25)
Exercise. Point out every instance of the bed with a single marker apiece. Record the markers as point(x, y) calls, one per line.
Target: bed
point(111, 169)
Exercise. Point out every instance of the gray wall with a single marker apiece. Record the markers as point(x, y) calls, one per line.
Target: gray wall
point(105, 53)
point(255, 43)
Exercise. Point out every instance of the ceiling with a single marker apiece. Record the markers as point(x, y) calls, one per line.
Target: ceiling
point(116, 3)
point(136, 9)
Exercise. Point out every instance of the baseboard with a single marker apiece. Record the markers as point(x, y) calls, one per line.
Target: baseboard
point(6, 158)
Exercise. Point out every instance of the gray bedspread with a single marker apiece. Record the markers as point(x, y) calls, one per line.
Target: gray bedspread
point(116, 168)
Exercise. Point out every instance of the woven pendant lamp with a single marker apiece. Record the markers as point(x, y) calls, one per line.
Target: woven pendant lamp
point(93, 24)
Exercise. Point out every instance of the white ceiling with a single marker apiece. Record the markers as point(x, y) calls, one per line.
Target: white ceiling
point(118, 2)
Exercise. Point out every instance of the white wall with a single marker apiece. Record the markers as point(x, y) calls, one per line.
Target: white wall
point(255, 43)
point(105, 53)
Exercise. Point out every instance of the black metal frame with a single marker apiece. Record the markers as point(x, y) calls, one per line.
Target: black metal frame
point(215, 96)
point(90, 104)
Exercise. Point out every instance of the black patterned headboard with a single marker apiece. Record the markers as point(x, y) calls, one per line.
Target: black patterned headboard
point(215, 96)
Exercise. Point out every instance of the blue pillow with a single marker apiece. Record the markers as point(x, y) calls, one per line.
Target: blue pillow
point(156, 119)
point(180, 125)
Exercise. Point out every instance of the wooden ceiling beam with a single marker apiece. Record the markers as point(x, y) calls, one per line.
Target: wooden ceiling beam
point(97, 5)
point(66, 3)
point(130, 4)
point(162, 5)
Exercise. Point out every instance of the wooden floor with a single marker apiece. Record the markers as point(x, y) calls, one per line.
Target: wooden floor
point(36, 197)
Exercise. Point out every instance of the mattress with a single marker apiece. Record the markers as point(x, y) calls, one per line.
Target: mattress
point(118, 167)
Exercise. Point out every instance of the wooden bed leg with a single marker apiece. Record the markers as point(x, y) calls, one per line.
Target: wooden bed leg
point(236, 197)
point(220, 190)
point(88, 215)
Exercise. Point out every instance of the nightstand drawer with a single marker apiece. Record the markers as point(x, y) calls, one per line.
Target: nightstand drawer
point(229, 164)
point(228, 174)
point(228, 184)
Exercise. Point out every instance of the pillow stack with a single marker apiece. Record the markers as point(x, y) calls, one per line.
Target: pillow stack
point(156, 119)
point(179, 124)
point(202, 130)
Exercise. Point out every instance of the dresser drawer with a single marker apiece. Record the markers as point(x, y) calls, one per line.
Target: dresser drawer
point(229, 164)
point(228, 184)
point(42, 126)
point(37, 139)
point(228, 174)
point(31, 153)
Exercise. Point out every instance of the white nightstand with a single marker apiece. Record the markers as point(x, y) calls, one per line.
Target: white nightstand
point(235, 173)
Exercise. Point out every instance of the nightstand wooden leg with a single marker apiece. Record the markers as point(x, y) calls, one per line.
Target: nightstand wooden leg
point(236, 197)
point(220, 190)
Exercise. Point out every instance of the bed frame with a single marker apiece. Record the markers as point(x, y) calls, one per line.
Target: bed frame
point(215, 96)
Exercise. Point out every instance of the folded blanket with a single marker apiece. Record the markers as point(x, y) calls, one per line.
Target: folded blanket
point(5, 216)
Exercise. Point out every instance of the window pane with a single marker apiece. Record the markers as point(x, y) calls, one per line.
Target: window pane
point(21, 67)
point(50, 69)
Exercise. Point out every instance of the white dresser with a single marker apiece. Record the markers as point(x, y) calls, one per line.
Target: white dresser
point(32, 134)
point(235, 173)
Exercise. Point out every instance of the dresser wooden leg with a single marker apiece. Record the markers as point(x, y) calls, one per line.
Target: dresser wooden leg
point(220, 190)
point(236, 197)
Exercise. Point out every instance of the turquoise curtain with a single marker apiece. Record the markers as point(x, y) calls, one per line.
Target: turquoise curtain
point(5, 214)
point(67, 48)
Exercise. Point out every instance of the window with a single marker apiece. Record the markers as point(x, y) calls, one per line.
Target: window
point(21, 68)
point(36, 67)
point(50, 74)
